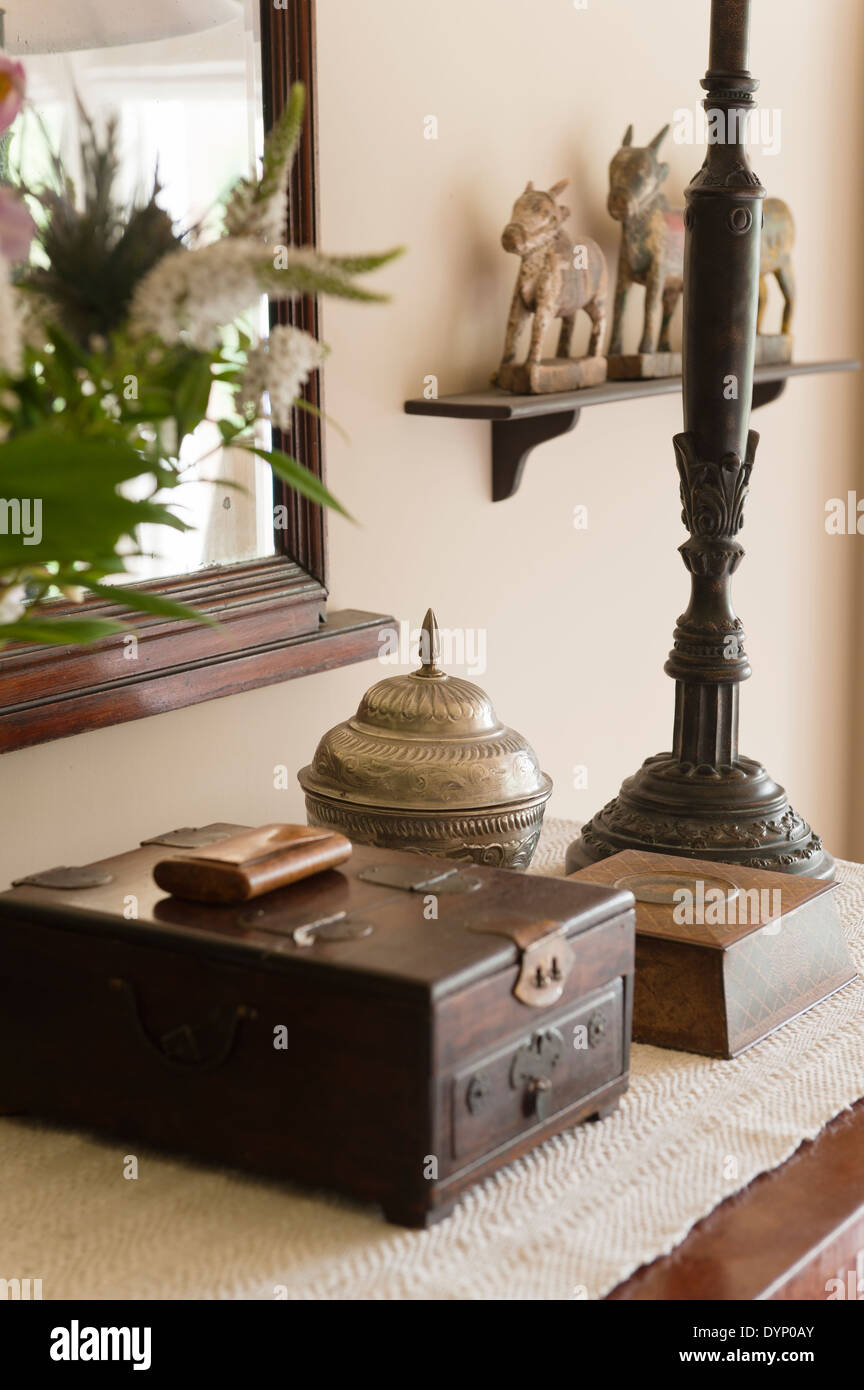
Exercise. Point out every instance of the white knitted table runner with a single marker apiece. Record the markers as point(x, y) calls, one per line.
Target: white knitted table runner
point(571, 1220)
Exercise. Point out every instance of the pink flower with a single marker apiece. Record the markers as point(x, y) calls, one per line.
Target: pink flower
point(16, 227)
point(13, 85)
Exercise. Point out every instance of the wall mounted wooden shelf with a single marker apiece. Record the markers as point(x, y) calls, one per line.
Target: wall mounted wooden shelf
point(520, 423)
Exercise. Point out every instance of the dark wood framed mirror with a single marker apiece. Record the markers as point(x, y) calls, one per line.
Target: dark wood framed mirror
point(273, 620)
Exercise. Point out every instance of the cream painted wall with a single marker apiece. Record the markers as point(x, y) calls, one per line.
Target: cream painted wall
point(576, 639)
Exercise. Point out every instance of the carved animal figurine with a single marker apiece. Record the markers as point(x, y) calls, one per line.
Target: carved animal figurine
point(778, 236)
point(652, 242)
point(556, 279)
point(652, 254)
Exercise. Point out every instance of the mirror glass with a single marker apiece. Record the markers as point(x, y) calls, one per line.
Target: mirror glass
point(184, 83)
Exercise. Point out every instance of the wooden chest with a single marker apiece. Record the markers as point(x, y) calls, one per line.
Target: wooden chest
point(397, 1028)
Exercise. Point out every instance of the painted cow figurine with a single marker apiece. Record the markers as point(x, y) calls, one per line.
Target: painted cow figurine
point(778, 237)
point(652, 241)
point(556, 279)
point(652, 245)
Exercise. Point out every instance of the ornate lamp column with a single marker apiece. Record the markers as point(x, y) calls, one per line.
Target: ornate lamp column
point(704, 799)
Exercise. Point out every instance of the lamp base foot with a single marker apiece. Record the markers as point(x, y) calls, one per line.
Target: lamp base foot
point(731, 815)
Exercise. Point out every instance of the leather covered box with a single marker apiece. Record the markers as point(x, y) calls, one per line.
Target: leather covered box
point(396, 1028)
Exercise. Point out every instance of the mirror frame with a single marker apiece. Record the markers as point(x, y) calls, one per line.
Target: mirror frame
point(272, 612)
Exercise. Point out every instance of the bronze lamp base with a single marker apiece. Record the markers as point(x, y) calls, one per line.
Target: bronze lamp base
point(734, 815)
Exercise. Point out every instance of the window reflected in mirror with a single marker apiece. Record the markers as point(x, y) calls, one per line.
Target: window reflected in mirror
point(188, 108)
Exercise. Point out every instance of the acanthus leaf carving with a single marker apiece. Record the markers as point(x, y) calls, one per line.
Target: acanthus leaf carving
point(713, 493)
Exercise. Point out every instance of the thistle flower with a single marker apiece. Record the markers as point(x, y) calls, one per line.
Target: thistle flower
point(279, 366)
point(95, 247)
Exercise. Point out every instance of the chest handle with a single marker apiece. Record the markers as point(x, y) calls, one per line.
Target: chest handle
point(201, 1046)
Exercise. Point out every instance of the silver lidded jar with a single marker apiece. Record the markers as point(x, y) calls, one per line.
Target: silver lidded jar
point(425, 765)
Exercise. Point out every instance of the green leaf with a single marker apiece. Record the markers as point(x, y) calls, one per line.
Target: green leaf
point(358, 265)
point(73, 481)
point(157, 514)
point(312, 273)
point(302, 404)
point(66, 576)
point(156, 403)
point(112, 564)
point(59, 630)
point(193, 395)
point(322, 278)
point(141, 601)
point(52, 455)
point(231, 484)
point(296, 476)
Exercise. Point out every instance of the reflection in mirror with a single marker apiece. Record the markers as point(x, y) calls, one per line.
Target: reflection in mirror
point(184, 83)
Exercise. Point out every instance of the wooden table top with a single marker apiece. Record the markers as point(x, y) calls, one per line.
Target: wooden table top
point(786, 1236)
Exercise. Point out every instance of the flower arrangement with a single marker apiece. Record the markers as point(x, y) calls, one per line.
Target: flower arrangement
point(111, 340)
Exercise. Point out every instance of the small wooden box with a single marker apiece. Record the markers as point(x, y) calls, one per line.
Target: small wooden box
point(768, 946)
point(396, 1028)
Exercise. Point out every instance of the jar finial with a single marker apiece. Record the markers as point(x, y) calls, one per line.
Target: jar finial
point(430, 646)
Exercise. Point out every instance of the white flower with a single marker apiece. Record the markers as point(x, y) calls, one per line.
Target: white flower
point(258, 206)
point(249, 216)
point(279, 366)
point(12, 602)
point(194, 294)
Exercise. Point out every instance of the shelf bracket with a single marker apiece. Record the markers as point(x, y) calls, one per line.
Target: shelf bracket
point(513, 440)
point(764, 392)
point(520, 423)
